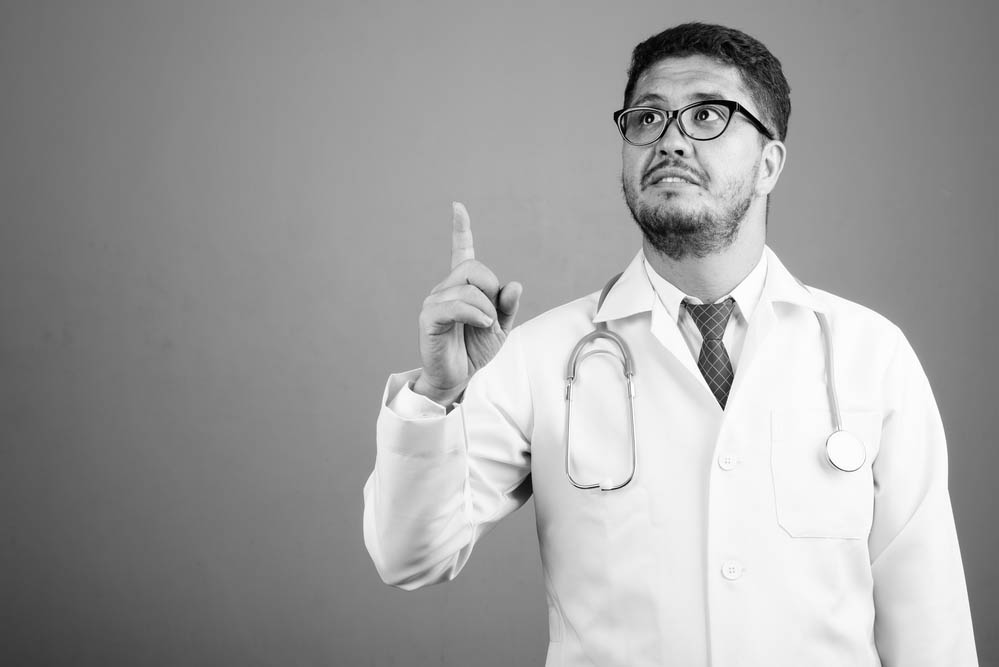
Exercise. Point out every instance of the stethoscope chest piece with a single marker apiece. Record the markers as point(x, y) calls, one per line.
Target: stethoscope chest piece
point(845, 451)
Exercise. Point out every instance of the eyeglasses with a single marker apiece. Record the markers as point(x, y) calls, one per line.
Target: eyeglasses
point(700, 121)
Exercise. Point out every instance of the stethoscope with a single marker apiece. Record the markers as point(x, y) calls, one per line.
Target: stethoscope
point(844, 450)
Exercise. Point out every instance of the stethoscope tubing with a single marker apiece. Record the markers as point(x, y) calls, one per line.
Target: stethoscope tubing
point(628, 368)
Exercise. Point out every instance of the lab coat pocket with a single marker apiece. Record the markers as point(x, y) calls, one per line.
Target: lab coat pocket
point(813, 498)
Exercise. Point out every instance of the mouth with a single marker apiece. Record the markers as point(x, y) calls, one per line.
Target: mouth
point(670, 177)
point(672, 180)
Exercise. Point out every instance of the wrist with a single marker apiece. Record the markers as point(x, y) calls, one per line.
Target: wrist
point(445, 397)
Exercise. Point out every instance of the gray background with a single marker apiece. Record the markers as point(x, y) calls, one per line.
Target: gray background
point(217, 225)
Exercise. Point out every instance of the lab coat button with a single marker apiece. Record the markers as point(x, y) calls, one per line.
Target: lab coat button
point(727, 462)
point(731, 569)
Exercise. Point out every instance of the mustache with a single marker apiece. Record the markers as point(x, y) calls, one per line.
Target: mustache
point(674, 166)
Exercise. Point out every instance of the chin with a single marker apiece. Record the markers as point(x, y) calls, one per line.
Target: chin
point(673, 207)
point(688, 199)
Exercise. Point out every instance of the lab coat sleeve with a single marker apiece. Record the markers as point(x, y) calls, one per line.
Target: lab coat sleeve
point(922, 614)
point(441, 481)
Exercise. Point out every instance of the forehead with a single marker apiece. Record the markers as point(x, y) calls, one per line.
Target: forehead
point(679, 81)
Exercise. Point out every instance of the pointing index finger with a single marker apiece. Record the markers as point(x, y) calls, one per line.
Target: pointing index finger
point(461, 235)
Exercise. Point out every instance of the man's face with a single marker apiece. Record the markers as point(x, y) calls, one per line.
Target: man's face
point(712, 184)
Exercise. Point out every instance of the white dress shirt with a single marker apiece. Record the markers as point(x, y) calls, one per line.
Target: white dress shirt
point(746, 295)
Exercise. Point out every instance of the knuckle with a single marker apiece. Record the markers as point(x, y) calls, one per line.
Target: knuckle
point(444, 284)
point(469, 292)
point(489, 279)
point(483, 276)
point(480, 299)
point(432, 311)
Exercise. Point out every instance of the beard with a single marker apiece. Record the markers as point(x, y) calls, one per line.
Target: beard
point(679, 233)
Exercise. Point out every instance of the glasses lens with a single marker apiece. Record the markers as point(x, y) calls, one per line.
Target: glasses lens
point(705, 121)
point(642, 126)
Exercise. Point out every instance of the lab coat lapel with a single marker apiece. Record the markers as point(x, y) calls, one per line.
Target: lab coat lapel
point(753, 347)
point(780, 287)
point(633, 294)
point(666, 331)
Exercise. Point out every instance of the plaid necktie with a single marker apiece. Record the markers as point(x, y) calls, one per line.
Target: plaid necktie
point(713, 361)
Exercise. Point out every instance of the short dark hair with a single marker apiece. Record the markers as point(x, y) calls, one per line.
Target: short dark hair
point(760, 70)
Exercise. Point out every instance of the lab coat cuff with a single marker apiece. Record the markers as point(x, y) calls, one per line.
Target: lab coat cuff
point(407, 404)
point(413, 426)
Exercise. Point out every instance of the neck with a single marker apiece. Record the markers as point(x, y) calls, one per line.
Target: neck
point(711, 277)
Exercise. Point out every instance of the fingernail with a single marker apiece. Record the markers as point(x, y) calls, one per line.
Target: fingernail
point(487, 322)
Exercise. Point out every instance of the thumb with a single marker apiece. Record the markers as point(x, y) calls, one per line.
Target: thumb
point(507, 304)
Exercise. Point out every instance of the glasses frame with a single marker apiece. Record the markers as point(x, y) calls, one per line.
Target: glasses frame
point(732, 106)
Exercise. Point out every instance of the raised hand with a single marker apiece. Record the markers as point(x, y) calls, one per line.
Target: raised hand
point(465, 320)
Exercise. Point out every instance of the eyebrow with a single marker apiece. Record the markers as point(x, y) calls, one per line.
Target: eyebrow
point(696, 97)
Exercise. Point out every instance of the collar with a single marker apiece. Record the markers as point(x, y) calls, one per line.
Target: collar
point(633, 293)
point(782, 287)
point(746, 294)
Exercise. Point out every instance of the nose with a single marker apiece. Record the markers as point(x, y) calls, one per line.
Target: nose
point(673, 140)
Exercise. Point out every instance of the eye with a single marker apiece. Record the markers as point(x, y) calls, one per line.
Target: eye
point(649, 118)
point(708, 114)
point(641, 125)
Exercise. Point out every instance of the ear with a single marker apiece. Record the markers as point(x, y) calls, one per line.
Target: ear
point(771, 164)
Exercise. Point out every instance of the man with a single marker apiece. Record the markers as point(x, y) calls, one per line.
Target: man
point(718, 527)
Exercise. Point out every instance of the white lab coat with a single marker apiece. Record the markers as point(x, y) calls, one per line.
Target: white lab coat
point(736, 544)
